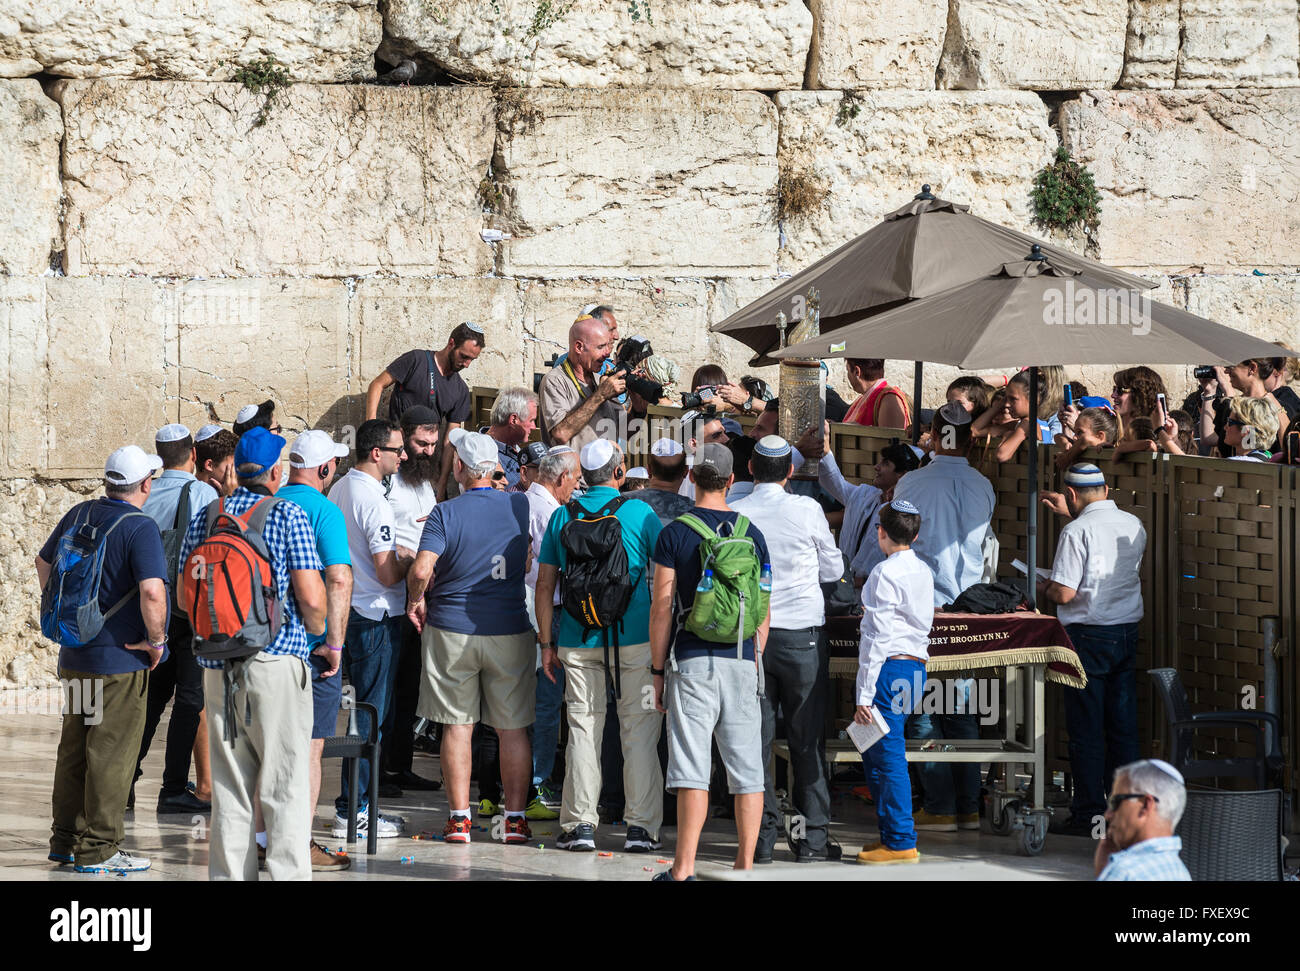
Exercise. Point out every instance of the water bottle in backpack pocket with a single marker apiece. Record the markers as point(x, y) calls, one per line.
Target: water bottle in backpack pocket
point(70, 612)
point(229, 587)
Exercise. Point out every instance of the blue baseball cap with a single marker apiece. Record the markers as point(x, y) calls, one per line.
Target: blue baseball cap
point(259, 447)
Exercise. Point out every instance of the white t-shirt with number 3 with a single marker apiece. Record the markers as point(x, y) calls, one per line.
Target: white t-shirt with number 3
point(371, 530)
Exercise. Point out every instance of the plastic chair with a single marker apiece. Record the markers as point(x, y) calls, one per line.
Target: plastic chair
point(351, 748)
point(1184, 723)
point(1232, 835)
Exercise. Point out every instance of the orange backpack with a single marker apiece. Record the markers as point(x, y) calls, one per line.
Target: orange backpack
point(230, 592)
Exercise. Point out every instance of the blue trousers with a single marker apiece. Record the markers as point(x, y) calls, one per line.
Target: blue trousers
point(550, 708)
point(370, 653)
point(1101, 719)
point(886, 761)
point(950, 788)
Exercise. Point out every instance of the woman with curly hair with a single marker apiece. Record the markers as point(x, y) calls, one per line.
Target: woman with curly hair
point(1135, 396)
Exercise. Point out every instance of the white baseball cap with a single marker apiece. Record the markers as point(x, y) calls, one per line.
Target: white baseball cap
point(596, 454)
point(171, 433)
point(666, 448)
point(314, 448)
point(129, 464)
point(206, 432)
point(476, 450)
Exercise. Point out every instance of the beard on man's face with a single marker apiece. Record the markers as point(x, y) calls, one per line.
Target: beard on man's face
point(418, 469)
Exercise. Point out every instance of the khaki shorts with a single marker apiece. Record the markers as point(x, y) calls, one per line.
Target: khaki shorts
point(470, 678)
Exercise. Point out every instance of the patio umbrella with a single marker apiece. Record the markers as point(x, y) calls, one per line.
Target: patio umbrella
point(1038, 311)
point(923, 248)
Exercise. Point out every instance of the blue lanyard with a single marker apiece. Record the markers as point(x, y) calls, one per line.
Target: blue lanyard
point(482, 488)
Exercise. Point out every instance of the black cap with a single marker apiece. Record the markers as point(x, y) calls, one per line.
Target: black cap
point(534, 452)
point(419, 415)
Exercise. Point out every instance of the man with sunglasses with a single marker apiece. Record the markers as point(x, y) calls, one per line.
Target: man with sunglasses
point(1097, 586)
point(1141, 815)
point(379, 565)
point(313, 460)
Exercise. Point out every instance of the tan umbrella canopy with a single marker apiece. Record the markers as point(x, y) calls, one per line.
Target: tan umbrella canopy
point(926, 247)
point(1038, 312)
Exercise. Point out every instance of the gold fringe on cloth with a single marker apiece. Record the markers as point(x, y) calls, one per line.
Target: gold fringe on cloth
point(1057, 659)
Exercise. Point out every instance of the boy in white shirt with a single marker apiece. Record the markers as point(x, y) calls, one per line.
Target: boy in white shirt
point(898, 612)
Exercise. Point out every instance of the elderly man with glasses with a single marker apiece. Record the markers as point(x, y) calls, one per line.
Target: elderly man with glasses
point(1144, 808)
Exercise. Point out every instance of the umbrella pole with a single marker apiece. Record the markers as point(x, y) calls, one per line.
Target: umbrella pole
point(916, 404)
point(1031, 521)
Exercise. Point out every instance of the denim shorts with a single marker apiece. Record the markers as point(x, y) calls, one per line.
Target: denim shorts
point(714, 698)
point(326, 697)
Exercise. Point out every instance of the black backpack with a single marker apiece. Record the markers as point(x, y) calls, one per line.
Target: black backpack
point(989, 598)
point(597, 586)
point(173, 539)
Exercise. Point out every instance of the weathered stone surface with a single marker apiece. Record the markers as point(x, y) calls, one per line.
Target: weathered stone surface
point(29, 510)
point(1265, 306)
point(394, 316)
point(734, 44)
point(1208, 44)
point(242, 342)
point(315, 40)
point(170, 178)
point(1046, 45)
point(22, 351)
point(980, 148)
point(1204, 179)
point(29, 177)
point(642, 183)
point(866, 45)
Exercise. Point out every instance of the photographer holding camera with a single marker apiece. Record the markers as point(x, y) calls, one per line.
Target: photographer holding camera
point(710, 390)
point(574, 399)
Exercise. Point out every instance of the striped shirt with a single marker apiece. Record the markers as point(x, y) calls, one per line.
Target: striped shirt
point(291, 544)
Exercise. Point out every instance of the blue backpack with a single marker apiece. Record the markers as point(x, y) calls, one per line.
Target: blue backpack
point(70, 613)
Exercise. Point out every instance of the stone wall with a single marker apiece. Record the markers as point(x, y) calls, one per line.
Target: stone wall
point(163, 257)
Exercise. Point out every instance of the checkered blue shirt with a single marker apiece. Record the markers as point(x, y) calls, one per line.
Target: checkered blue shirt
point(292, 545)
point(1154, 859)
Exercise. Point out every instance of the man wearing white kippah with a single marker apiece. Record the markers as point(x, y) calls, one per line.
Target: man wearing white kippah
point(667, 473)
point(257, 416)
point(176, 496)
point(804, 556)
point(1143, 811)
point(1097, 585)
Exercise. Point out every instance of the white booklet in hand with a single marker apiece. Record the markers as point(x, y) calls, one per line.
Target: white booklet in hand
point(865, 736)
point(1023, 567)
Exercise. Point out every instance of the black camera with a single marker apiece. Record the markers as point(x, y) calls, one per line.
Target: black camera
point(631, 353)
point(1204, 372)
point(757, 387)
point(702, 399)
point(538, 375)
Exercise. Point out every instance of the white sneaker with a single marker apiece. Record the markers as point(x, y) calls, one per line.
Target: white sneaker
point(119, 862)
point(388, 827)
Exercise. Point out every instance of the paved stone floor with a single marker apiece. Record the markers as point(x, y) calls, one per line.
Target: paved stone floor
point(178, 848)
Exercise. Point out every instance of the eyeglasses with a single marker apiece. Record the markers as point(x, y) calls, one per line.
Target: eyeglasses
point(1119, 391)
point(388, 448)
point(498, 476)
point(1118, 797)
point(1236, 423)
point(276, 429)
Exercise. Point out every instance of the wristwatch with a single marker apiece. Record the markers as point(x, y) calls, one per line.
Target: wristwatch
point(749, 402)
point(159, 646)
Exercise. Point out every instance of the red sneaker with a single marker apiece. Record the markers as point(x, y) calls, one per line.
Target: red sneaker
point(517, 830)
point(457, 829)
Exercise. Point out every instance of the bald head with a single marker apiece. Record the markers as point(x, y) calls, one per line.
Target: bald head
point(590, 342)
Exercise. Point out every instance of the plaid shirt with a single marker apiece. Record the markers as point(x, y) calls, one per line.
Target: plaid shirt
point(292, 545)
point(1154, 859)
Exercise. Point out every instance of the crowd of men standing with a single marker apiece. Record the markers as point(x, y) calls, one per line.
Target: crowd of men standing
point(441, 575)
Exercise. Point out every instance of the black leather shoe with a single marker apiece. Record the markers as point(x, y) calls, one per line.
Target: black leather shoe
point(130, 799)
point(803, 853)
point(390, 790)
point(416, 783)
point(181, 802)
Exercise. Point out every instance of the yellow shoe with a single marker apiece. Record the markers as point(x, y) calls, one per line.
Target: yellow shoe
point(868, 847)
point(883, 854)
point(934, 823)
point(968, 820)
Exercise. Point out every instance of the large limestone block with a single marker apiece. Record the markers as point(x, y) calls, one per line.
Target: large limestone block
point(642, 183)
point(876, 45)
point(395, 316)
point(733, 44)
point(1210, 44)
point(981, 148)
point(1266, 306)
point(315, 40)
point(24, 437)
point(1046, 45)
point(29, 177)
point(245, 341)
point(1206, 179)
point(106, 373)
point(29, 511)
point(170, 179)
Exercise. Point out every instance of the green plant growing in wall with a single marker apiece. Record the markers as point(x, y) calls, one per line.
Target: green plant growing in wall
point(1064, 195)
point(266, 77)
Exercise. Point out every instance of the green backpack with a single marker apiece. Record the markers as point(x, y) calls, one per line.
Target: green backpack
point(736, 605)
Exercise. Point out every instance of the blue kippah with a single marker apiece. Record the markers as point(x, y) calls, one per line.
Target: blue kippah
point(773, 446)
point(902, 505)
point(1084, 475)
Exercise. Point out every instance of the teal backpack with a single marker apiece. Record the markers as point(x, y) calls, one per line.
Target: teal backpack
point(736, 605)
